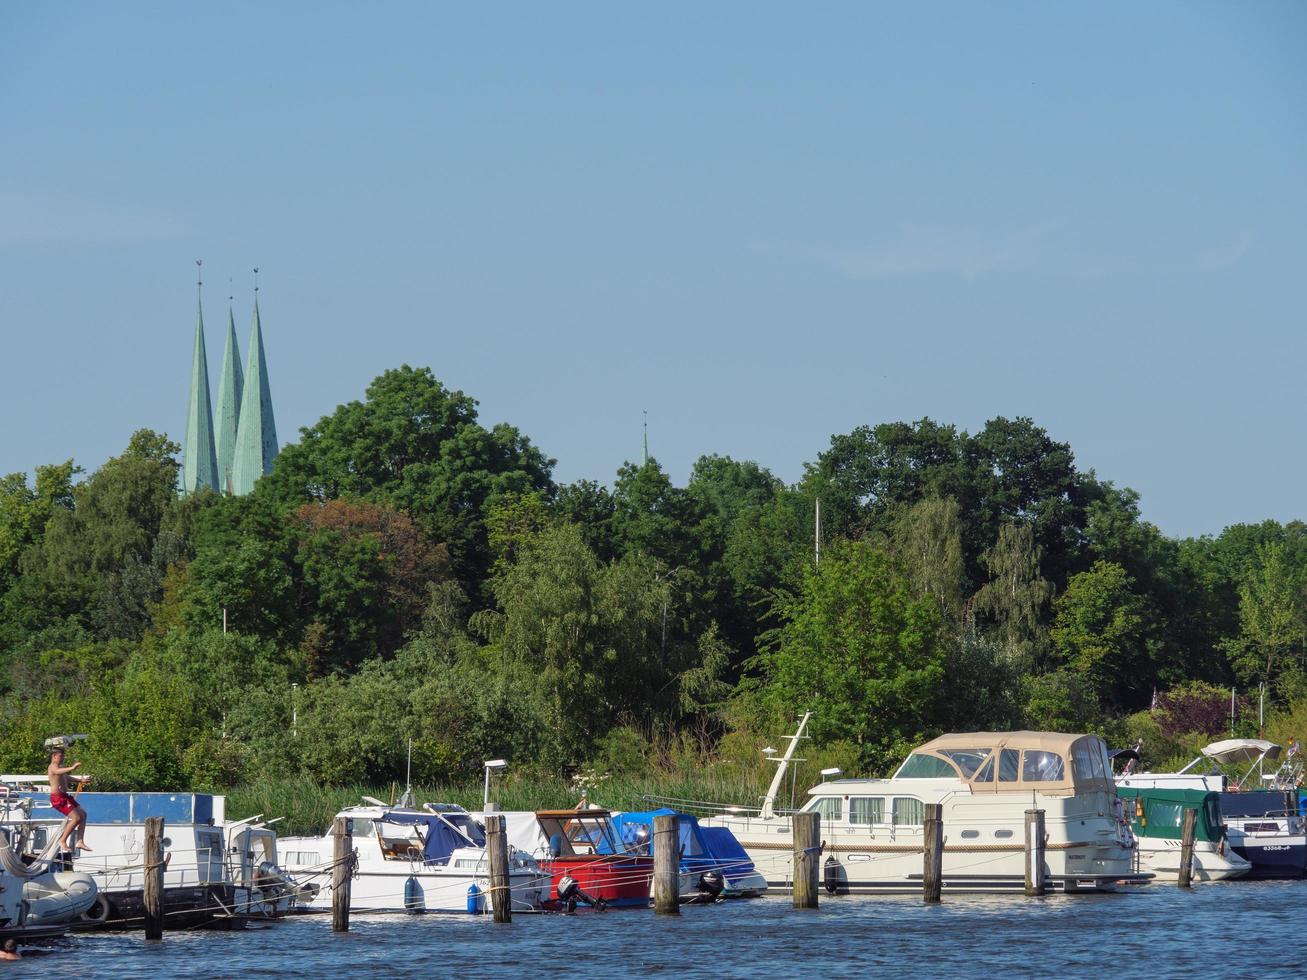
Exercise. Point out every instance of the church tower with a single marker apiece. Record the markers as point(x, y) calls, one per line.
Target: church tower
point(228, 412)
point(199, 461)
point(256, 432)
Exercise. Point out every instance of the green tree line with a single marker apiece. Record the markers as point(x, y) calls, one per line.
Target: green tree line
point(407, 572)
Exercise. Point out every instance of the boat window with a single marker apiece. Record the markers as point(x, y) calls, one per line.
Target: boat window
point(1003, 833)
point(1212, 811)
point(908, 812)
point(362, 827)
point(919, 766)
point(1168, 816)
point(970, 834)
point(301, 858)
point(1042, 767)
point(968, 760)
point(1106, 761)
point(986, 774)
point(866, 810)
point(830, 807)
point(1009, 766)
point(1082, 762)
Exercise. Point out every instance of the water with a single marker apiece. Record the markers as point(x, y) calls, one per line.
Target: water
point(1235, 929)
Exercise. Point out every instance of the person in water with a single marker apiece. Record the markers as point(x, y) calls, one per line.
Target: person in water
point(65, 802)
point(10, 951)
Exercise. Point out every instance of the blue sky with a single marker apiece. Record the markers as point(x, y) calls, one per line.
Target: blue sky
point(762, 224)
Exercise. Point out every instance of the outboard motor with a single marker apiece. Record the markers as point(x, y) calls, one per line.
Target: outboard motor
point(711, 885)
point(569, 893)
point(832, 873)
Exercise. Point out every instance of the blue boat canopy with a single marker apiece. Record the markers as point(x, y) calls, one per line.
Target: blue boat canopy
point(635, 832)
point(439, 839)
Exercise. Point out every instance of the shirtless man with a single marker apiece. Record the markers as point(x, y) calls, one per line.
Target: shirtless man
point(65, 802)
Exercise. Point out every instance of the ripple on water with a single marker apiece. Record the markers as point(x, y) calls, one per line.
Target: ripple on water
point(1236, 929)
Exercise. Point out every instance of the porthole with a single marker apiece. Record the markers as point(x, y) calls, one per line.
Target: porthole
point(970, 834)
point(1002, 833)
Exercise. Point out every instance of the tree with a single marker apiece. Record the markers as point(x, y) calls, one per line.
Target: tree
point(1016, 595)
point(25, 511)
point(415, 446)
point(1269, 645)
point(861, 651)
point(1098, 633)
point(926, 538)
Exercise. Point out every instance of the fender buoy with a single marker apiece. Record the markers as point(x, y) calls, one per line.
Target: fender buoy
point(99, 912)
point(831, 876)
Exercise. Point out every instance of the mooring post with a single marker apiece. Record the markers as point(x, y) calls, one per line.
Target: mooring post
point(807, 857)
point(152, 893)
point(1187, 847)
point(1034, 852)
point(501, 896)
point(932, 871)
point(667, 864)
point(342, 872)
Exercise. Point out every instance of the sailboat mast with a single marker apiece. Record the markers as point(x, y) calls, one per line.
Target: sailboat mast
point(783, 763)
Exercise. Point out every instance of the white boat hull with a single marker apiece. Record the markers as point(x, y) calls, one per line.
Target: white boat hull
point(1161, 857)
point(433, 891)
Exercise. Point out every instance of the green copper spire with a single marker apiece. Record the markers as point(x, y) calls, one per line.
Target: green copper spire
point(256, 432)
point(229, 406)
point(199, 463)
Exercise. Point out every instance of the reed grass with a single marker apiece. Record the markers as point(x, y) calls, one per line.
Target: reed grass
point(308, 808)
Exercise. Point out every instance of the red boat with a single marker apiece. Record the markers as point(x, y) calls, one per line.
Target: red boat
point(586, 862)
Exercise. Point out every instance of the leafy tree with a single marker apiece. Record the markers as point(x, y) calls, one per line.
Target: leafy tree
point(1016, 595)
point(861, 651)
point(1098, 632)
point(926, 538)
point(25, 511)
point(1269, 645)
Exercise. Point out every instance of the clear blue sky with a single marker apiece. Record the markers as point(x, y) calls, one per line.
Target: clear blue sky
point(762, 223)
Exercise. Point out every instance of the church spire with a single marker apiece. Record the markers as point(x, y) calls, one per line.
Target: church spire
point(228, 410)
point(256, 432)
point(199, 462)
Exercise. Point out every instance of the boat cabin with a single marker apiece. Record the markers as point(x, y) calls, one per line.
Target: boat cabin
point(573, 833)
point(428, 836)
point(1049, 763)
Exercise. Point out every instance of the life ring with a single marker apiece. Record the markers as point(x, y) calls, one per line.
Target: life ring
point(98, 912)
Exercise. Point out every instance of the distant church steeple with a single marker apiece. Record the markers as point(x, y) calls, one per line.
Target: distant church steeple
point(199, 461)
point(228, 412)
point(256, 431)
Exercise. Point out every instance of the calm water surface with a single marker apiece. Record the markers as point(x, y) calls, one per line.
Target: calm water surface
point(1214, 930)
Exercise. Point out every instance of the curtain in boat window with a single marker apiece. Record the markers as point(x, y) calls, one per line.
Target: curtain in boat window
point(1042, 767)
point(830, 807)
point(866, 810)
point(908, 812)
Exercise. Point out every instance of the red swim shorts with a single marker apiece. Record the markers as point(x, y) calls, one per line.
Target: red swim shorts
point(63, 803)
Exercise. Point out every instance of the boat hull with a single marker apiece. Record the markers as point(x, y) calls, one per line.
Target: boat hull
point(432, 891)
point(185, 907)
point(1281, 856)
point(620, 881)
point(1161, 857)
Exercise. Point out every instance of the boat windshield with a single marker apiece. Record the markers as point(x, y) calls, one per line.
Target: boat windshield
point(921, 766)
point(968, 760)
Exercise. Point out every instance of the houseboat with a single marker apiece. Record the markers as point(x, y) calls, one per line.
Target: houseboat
point(414, 859)
point(985, 782)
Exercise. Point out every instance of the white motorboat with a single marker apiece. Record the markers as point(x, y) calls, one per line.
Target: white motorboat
point(414, 859)
point(29, 854)
point(263, 888)
point(873, 832)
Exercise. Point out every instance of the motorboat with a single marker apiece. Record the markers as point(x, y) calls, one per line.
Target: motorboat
point(873, 833)
point(1264, 826)
point(582, 856)
point(430, 858)
point(712, 862)
point(198, 888)
point(263, 888)
point(1156, 818)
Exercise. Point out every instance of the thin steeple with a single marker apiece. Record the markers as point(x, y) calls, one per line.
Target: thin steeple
point(199, 462)
point(256, 432)
point(228, 412)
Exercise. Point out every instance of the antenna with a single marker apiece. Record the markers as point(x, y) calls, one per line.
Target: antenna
point(231, 292)
point(199, 278)
point(816, 533)
point(645, 413)
point(256, 283)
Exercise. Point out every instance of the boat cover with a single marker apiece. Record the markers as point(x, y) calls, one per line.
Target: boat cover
point(1259, 803)
point(1242, 750)
point(439, 840)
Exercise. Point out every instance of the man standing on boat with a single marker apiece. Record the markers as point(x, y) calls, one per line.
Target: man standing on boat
point(65, 802)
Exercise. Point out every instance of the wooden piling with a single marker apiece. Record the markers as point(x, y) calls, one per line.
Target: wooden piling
point(1034, 852)
point(501, 896)
point(1187, 847)
point(807, 858)
point(152, 892)
point(342, 872)
point(667, 864)
point(932, 870)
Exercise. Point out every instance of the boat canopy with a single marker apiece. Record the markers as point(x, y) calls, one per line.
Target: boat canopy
point(1159, 812)
point(575, 832)
point(1259, 803)
point(634, 832)
point(440, 832)
point(1242, 750)
point(1001, 762)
